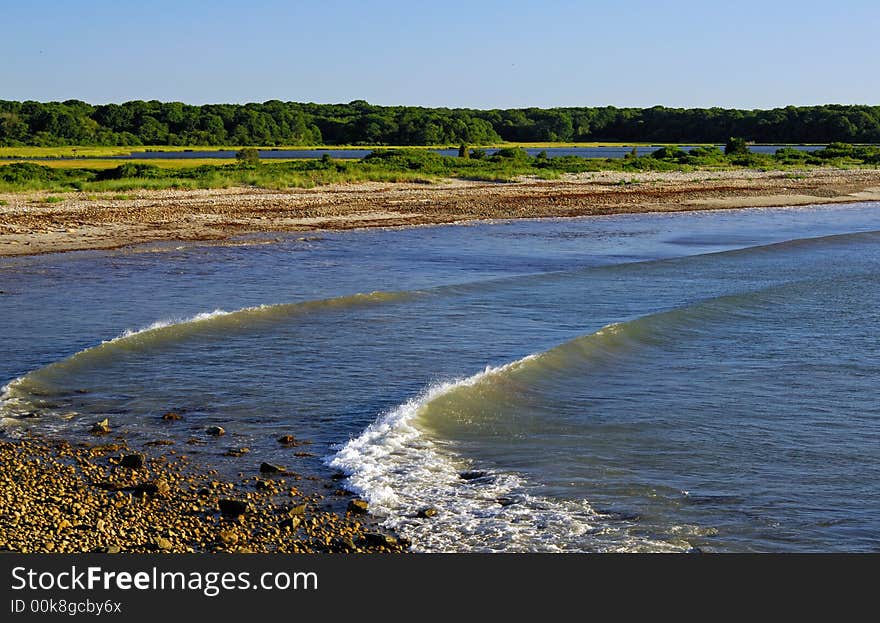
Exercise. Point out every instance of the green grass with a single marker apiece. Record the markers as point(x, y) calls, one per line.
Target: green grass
point(52, 199)
point(403, 165)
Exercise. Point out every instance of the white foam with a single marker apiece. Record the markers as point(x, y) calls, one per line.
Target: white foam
point(400, 471)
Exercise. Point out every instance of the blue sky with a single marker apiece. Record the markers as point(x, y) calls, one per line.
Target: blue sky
point(477, 54)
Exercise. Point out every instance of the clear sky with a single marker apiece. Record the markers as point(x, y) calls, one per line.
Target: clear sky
point(480, 54)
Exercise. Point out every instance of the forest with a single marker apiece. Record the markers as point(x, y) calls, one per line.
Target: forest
point(276, 123)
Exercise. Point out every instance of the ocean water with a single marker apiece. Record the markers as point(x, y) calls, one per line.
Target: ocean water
point(627, 383)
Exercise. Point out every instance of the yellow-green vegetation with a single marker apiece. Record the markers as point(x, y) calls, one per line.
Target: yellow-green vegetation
point(399, 165)
point(162, 163)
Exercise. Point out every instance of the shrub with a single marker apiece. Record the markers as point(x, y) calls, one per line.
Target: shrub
point(514, 155)
point(136, 170)
point(250, 155)
point(408, 159)
point(736, 146)
point(669, 152)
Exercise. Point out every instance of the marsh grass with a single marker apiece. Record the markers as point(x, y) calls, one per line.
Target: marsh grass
point(393, 165)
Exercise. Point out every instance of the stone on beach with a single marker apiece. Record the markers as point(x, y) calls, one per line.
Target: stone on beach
point(232, 508)
point(132, 461)
point(216, 431)
point(102, 427)
point(358, 507)
point(269, 468)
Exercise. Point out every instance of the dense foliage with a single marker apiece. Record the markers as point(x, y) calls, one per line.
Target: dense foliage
point(290, 123)
point(407, 165)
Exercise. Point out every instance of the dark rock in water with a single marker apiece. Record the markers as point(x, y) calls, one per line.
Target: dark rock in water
point(102, 427)
point(216, 431)
point(132, 461)
point(426, 513)
point(268, 468)
point(404, 543)
point(236, 451)
point(358, 507)
point(380, 540)
point(160, 442)
point(232, 508)
point(29, 415)
point(171, 416)
point(338, 476)
point(506, 501)
point(299, 509)
point(263, 485)
point(287, 440)
point(342, 544)
point(472, 475)
point(291, 523)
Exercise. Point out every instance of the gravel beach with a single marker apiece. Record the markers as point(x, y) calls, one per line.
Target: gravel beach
point(31, 225)
point(57, 497)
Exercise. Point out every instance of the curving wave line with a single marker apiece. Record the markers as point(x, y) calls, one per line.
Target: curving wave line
point(22, 395)
point(400, 467)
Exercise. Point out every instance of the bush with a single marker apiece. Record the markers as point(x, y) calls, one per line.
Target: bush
point(132, 170)
point(515, 155)
point(409, 159)
point(23, 172)
point(736, 147)
point(250, 155)
point(669, 152)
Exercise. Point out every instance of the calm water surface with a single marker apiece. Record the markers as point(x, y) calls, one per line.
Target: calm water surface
point(637, 382)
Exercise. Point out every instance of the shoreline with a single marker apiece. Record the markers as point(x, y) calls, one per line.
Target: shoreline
point(32, 224)
point(64, 496)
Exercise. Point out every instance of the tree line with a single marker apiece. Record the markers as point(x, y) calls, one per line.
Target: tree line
point(273, 123)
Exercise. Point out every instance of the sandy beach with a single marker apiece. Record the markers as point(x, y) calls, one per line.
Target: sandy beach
point(29, 224)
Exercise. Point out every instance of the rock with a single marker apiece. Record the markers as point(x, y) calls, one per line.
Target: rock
point(102, 427)
point(291, 522)
point(216, 431)
point(157, 487)
point(342, 544)
point(268, 468)
point(232, 508)
point(236, 451)
point(100, 525)
point(426, 513)
point(506, 501)
point(287, 440)
point(358, 507)
point(63, 525)
point(229, 537)
point(472, 475)
point(162, 543)
point(112, 549)
point(380, 540)
point(171, 416)
point(132, 461)
point(299, 509)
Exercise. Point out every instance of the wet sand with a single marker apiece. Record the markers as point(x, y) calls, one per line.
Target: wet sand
point(30, 225)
